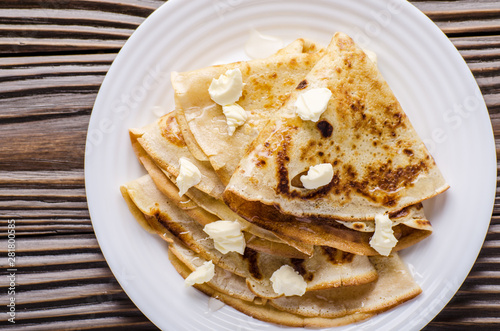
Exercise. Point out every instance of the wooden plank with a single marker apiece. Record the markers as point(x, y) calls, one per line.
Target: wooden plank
point(48, 229)
point(30, 204)
point(52, 31)
point(132, 7)
point(43, 278)
point(44, 214)
point(41, 193)
point(33, 45)
point(52, 243)
point(38, 86)
point(98, 308)
point(452, 6)
point(55, 221)
point(64, 293)
point(42, 151)
point(47, 260)
point(51, 60)
point(49, 105)
point(42, 178)
point(476, 42)
point(60, 14)
point(7, 77)
point(116, 323)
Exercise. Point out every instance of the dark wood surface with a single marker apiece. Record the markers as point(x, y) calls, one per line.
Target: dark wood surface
point(53, 58)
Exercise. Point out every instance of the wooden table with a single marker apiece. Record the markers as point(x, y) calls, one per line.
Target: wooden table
point(53, 58)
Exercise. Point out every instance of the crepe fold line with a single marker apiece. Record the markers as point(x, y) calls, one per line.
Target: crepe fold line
point(332, 307)
point(296, 231)
point(379, 162)
point(325, 269)
point(267, 84)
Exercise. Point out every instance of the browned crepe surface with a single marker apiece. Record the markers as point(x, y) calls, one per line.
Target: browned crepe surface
point(326, 268)
point(267, 84)
point(379, 162)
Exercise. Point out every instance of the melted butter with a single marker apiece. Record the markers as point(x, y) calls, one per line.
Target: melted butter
point(260, 46)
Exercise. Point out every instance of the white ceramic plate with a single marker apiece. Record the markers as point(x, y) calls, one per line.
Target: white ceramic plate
point(427, 74)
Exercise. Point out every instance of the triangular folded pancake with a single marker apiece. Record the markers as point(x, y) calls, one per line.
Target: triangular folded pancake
point(293, 230)
point(394, 286)
point(267, 84)
point(325, 269)
point(266, 312)
point(379, 162)
point(296, 47)
point(323, 308)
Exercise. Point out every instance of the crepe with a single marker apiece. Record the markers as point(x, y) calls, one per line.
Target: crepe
point(206, 209)
point(266, 312)
point(296, 47)
point(324, 308)
point(379, 162)
point(327, 268)
point(293, 230)
point(267, 85)
point(163, 141)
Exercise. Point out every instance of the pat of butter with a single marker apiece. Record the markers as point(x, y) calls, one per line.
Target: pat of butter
point(312, 103)
point(235, 116)
point(200, 275)
point(189, 176)
point(317, 176)
point(228, 88)
point(227, 236)
point(383, 240)
point(287, 281)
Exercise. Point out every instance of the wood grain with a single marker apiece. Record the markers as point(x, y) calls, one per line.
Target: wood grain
point(53, 58)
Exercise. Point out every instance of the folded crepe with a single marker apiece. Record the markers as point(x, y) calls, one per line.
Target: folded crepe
point(296, 47)
point(300, 232)
point(267, 85)
point(325, 269)
point(322, 308)
point(266, 312)
point(199, 205)
point(379, 162)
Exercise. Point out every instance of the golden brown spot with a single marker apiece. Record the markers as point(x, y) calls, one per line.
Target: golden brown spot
point(260, 163)
point(171, 131)
point(253, 267)
point(325, 128)
point(302, 85)
point(298, 265)
point(273, 75)
point(400, 213)
point(358, 226)
point(408, 152)
point(337, 256)
point(423, 223)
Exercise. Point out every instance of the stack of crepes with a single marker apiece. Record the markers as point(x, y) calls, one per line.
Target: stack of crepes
point(250, 176)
